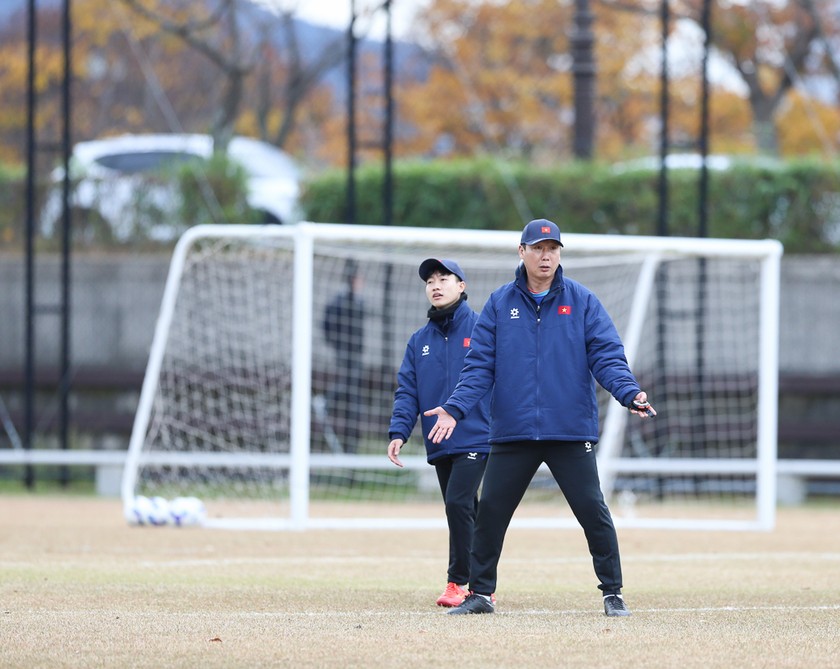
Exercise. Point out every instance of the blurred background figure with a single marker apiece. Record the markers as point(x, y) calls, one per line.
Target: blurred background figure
point(344, 330)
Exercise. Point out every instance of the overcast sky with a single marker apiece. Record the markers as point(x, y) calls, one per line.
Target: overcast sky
point(336, 13)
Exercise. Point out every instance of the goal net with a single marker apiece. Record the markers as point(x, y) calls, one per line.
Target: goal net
point(270, 381)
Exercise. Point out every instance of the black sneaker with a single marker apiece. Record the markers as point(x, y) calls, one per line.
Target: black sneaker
point(473, 604)
point(614, 606)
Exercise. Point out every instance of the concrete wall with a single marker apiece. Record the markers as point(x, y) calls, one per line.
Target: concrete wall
point(115, 302)
point(810, 315)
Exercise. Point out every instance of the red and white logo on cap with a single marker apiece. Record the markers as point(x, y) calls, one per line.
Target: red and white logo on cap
point(545, 230)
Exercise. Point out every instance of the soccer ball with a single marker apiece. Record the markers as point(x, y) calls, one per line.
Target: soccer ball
point(184, 511)
point(147, 511)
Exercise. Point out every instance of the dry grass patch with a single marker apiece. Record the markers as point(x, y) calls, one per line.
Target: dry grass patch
point(79, 588)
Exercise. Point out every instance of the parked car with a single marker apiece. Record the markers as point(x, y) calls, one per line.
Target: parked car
point(693, 161)
point(120, 189)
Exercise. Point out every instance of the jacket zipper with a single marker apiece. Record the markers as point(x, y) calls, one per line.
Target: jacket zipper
point(446, 364)
point(539, 385)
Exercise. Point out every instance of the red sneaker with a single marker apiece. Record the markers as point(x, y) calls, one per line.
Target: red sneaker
point(453, 595)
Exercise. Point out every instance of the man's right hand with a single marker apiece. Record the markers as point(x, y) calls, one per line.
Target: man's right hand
point(444, 426)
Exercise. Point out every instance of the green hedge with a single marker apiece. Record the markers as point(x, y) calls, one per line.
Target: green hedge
point(226, 180)
point(797, 203)
point(12, 206)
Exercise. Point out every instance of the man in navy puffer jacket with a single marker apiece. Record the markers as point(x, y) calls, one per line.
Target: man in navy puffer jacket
point(540, 344)
point(430, 368)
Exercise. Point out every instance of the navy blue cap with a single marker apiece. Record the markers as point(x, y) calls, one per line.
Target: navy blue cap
point(539, 231)
point(428, 267)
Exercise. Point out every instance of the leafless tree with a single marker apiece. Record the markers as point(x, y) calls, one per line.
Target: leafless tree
point(301, 77)
point(221, 36)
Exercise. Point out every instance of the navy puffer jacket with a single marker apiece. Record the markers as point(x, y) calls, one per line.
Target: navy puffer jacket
point(542, 362)
point(429, 371)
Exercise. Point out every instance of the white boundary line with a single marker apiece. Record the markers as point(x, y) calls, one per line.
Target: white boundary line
point(355, 614)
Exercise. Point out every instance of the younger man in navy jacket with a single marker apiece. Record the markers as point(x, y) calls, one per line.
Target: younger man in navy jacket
point(430, 368)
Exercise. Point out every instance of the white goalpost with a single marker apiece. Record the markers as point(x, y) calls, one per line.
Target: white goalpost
point(271, 375)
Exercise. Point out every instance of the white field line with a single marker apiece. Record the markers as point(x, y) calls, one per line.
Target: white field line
point(584, 559)
point(561, 612)
point(798, 557)
point(379, 613)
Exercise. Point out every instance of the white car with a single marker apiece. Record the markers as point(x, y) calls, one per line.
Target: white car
point(693, 161)
point(118, 191)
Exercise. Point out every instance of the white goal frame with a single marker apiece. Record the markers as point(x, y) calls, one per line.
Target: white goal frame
point(300, 462)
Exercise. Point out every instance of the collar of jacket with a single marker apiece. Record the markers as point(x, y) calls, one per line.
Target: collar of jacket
point(441, 315)
point(521, 280)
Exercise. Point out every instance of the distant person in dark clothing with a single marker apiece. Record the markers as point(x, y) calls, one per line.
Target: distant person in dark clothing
point(344, 330)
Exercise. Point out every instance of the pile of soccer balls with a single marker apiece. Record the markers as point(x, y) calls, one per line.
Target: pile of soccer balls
point(159, 511)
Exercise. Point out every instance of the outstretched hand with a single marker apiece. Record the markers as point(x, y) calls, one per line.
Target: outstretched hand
point(641, 407)
point(442, 429)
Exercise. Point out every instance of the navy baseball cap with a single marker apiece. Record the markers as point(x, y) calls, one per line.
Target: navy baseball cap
point(430, 265)
point(540, 230)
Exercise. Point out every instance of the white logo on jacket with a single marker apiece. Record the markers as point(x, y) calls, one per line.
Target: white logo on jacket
point(425, 350)
point(514, 313)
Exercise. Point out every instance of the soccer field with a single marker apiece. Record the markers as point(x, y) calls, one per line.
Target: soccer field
point(80, 588)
